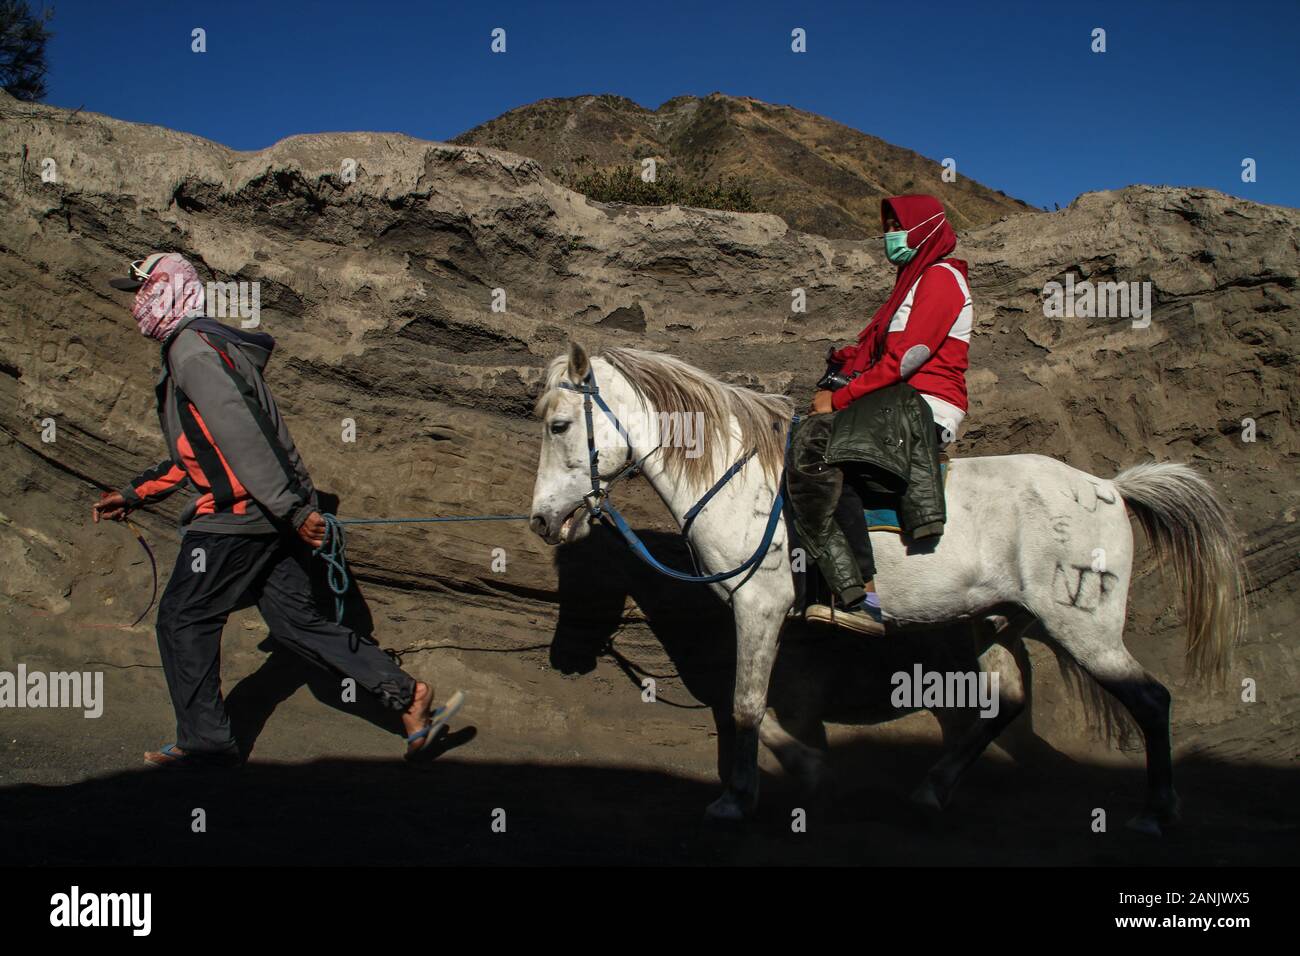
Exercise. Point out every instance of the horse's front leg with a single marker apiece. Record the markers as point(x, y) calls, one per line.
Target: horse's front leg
point(758, 628)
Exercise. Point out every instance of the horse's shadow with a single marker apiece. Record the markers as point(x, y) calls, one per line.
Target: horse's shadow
point(820, 675)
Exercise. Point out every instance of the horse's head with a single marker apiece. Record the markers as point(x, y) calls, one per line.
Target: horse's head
point(629, 402)
point(559, 513)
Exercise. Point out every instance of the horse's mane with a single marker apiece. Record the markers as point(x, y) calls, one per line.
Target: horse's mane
point(667, 384)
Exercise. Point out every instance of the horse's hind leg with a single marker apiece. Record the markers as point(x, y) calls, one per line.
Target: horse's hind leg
point(1100, 651)
point(1004, 657)
point(1149, 702)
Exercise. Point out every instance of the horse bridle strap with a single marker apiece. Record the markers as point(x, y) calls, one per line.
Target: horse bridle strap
point(748, 566)
point(600, 508)
point(595, 499)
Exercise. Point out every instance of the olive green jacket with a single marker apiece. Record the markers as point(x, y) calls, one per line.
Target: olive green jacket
point(893, 430)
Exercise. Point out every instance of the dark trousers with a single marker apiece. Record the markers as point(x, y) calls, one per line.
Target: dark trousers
point(828, 510)
point(851, 518)
point(237, 571)
point(815, 492)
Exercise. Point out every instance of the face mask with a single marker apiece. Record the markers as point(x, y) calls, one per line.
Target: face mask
point(898, 251)
point(173, 292)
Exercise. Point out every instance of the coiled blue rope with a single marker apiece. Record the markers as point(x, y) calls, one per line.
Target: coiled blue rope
point(333, 550)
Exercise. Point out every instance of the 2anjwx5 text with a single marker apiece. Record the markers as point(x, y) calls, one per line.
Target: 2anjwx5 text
point(1190, 897)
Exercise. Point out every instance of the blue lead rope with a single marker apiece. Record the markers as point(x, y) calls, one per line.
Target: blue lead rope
point(333, 550)
point(641, 551)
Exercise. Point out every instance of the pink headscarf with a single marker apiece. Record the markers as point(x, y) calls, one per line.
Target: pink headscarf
point(171, 293)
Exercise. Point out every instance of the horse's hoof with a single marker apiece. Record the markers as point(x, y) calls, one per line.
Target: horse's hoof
point(1162, 812)
point(1147, 824)
point(926, 798)
point(725, 809)
point(816, 779)
point(1173, 813)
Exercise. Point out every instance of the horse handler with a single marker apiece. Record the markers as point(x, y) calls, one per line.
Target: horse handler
point(248, 535)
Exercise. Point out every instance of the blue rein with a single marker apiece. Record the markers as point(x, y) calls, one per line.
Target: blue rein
point(601, 508)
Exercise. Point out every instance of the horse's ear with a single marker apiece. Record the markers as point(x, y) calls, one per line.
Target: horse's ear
point(579, 364)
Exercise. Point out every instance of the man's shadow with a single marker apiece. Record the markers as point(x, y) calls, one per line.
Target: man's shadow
point(287, 668)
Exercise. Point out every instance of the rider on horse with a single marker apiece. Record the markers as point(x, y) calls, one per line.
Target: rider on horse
point(882, 412)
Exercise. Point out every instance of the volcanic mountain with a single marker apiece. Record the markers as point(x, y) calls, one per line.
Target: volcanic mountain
point(818, 175)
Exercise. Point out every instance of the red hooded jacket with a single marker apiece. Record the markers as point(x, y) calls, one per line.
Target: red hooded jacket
point(921, 334)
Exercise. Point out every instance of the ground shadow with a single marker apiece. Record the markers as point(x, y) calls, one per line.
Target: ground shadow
point(254, 699)
point(442, 812)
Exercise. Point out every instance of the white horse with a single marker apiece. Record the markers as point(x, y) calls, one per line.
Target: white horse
point(1028, 541)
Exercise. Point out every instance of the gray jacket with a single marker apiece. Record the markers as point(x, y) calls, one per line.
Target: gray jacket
point(225, 435)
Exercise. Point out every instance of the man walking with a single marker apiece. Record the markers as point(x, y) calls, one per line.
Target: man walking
point(249, 534)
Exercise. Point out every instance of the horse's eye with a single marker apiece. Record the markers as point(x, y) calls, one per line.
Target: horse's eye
point(559, 427)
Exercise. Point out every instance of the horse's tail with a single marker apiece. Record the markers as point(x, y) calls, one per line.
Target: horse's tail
point(1192, 531)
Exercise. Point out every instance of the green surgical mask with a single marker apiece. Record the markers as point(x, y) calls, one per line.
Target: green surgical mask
point(898, 251)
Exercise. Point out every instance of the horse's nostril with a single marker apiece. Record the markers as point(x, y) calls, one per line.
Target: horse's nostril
point(538, 524)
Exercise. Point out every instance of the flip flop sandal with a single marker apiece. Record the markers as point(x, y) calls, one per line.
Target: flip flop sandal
point(437, 720)
point(447, 710)
point(169, 755)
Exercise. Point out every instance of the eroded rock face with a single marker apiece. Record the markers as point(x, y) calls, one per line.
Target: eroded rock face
point(380, 293)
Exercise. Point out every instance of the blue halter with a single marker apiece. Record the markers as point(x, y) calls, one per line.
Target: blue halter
point(601, 508)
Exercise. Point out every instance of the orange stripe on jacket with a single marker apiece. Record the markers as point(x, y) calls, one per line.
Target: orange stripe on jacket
point(191, 464)
point(147, 489)
point(205, 504)
point(242, 497)
point(238, 491)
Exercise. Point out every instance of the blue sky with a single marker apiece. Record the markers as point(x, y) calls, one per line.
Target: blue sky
point(1185, 91)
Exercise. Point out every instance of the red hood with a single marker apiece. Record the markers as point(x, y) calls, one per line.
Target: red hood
point(931, 245)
